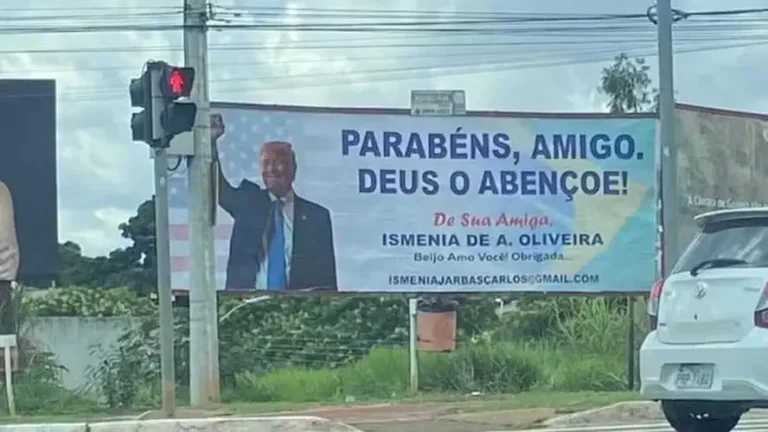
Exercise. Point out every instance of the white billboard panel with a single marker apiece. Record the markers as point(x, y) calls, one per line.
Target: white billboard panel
point(380, 201)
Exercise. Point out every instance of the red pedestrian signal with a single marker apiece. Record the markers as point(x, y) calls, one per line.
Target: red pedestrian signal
point(178, 81)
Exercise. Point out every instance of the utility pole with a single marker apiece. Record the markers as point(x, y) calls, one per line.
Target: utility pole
point(669, 189)
point(203, 325)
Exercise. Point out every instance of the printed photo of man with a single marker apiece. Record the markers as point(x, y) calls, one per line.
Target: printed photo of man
point(280, 241)
point(9, 245)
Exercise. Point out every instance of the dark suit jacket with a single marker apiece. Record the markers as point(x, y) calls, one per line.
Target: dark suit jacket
point(313, 262)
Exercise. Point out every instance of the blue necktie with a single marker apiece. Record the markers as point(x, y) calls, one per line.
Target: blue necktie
point(276, 264)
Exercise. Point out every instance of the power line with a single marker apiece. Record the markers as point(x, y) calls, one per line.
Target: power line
point(544, 51)
point(705, 33)
point(299, 11)
point(313, 45)
point(441, 25)
point(492, 65)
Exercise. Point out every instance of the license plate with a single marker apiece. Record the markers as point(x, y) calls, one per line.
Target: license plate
point(694, 377)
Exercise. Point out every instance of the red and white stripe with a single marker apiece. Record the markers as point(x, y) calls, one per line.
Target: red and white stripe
point(180, 247)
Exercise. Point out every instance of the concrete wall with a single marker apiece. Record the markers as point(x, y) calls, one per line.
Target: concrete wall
point(73, 341)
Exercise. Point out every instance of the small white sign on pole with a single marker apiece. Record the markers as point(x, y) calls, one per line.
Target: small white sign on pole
point(438, 103)
point(6, 343)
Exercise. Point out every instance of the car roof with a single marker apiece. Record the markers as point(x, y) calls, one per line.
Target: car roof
point(731, 214)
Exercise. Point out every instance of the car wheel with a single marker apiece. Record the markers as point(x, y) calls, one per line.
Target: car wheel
point(683, 419)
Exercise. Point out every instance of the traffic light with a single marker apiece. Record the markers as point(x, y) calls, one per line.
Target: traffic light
point(163, 116)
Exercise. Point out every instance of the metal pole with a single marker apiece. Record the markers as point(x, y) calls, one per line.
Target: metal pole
point(164, 293)
point(631, 344)
point(7, 312)
point(669, 188)
point(204, 349)
point(413, 346)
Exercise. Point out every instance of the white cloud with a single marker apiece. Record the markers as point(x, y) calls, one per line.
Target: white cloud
point(103, 176)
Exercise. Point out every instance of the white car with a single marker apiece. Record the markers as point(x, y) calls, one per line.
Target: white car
point(706, 357)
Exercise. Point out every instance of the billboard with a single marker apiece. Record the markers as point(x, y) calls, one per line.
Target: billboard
point(722, 162)
point(380, 201)
point(28, 196)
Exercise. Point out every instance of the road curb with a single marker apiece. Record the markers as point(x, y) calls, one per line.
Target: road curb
point(759, 424)
point(628, 412)
point(52, 427)
point(583, 417)
point(242, 424)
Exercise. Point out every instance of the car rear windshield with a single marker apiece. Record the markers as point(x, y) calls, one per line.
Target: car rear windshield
point(742, 239)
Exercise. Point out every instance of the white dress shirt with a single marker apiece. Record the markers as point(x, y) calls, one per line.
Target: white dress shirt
point(261, 277)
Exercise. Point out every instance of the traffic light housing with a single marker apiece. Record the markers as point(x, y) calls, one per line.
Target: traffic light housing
point(163, 116)
point(141, 97)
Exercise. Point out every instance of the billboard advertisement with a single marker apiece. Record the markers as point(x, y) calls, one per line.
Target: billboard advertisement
point(380, 201)
point(722, 162)
point(28, 204)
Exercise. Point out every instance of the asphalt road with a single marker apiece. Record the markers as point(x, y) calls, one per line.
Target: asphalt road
point(745, 425)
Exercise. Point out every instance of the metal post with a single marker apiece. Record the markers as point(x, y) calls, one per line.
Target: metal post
point(204, 348)
point(631, 344)
point(7, 312)
point(164, 293)
point(413, 346)
point(670, 191)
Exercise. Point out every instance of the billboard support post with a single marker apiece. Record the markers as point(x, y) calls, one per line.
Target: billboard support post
point(203, 325)
point(164, 282)
point(631, 343)
point(429, 103)
point(413, 342)
point(7, 319)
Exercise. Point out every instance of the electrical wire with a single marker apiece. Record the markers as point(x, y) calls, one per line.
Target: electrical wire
point(393, 74)
point(399, 43)
point(558, 35)
point(452, 25)
point(552, 47)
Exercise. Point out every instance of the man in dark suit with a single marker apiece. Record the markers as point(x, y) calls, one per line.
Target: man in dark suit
point(280, 241)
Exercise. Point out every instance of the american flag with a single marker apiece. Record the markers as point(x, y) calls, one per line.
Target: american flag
point(246, 130)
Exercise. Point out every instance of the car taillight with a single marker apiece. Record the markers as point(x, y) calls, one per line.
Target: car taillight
point(653, 303)
point(761, 311)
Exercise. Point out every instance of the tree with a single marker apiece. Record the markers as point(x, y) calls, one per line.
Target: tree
point(139, 267)
point(132, 266)
point(628, 86)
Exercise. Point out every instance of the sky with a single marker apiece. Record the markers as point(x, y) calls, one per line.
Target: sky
point(103, 176)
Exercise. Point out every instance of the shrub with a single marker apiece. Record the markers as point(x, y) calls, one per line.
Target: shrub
point(588, 373)
point(37, 384)
point(384, 373)
point(312, 349)
point(129, 372)
point(486, 368)
point(87, 302)
point(592, 325)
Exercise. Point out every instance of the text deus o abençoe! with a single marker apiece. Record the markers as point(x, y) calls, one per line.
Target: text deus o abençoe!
point(472, 146)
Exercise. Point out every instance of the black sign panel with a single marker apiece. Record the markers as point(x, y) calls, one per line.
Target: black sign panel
point(28, 175)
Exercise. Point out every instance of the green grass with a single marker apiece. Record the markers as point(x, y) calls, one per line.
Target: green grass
point(498, 368)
